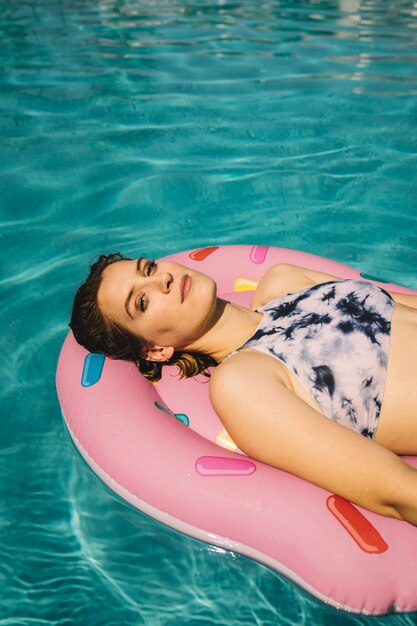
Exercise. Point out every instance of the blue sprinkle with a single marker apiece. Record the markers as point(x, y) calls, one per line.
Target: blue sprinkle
point(375, 278)
point(93, 367)
point(181, 417)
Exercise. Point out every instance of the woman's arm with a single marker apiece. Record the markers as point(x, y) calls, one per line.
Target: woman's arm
point(270, 423)
point(408, 299)
point(286, 278)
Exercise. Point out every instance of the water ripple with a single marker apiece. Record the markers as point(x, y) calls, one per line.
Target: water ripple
point(152, 127)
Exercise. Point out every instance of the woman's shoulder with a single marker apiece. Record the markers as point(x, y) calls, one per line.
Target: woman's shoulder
point(285, 278)
point(233, 379)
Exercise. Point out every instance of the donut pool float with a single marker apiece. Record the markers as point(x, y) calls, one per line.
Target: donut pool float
point(163, 449)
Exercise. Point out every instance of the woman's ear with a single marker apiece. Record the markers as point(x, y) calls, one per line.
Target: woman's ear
point(159, 354)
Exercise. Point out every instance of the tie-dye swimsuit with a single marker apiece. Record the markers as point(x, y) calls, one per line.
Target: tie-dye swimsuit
point(334, 337)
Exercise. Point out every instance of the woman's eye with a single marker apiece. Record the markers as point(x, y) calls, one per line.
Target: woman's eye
point(143, 301)
point(151, 267)
point(142, 304)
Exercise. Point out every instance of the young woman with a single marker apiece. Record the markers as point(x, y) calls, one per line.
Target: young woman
point(318, 378)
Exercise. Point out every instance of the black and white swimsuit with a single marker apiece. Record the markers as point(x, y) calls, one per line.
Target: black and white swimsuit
point(334, 337)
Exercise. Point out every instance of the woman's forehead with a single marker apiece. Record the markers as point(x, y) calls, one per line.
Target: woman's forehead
point(114, 282)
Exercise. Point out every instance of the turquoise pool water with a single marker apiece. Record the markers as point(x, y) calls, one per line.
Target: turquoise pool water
point(158, 126)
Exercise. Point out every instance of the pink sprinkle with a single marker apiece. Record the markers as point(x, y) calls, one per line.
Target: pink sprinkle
point(258, 254)
point(224, 466)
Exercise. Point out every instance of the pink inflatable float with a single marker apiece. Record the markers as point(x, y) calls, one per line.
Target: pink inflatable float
point(163, 449)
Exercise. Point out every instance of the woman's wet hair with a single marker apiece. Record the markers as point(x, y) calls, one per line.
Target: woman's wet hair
point(99, 333)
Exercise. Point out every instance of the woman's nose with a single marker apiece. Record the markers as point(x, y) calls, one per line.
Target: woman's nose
point(160, 282)
point(166, 282)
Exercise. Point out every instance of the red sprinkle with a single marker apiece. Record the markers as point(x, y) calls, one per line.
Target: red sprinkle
point(359, 528)
point(202, 253)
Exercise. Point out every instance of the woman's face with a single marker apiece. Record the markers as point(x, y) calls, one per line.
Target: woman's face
point(165, 303)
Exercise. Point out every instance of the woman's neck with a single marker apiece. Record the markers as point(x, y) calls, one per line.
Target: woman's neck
point(233, 327)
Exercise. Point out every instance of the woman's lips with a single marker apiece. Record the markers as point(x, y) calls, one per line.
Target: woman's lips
point(185, 286)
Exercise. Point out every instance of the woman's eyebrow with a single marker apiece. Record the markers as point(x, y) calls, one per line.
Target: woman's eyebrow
point(129, 295)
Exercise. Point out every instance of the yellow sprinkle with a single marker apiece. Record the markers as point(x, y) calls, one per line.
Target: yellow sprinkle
point(225, 440)
point(245, 284)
